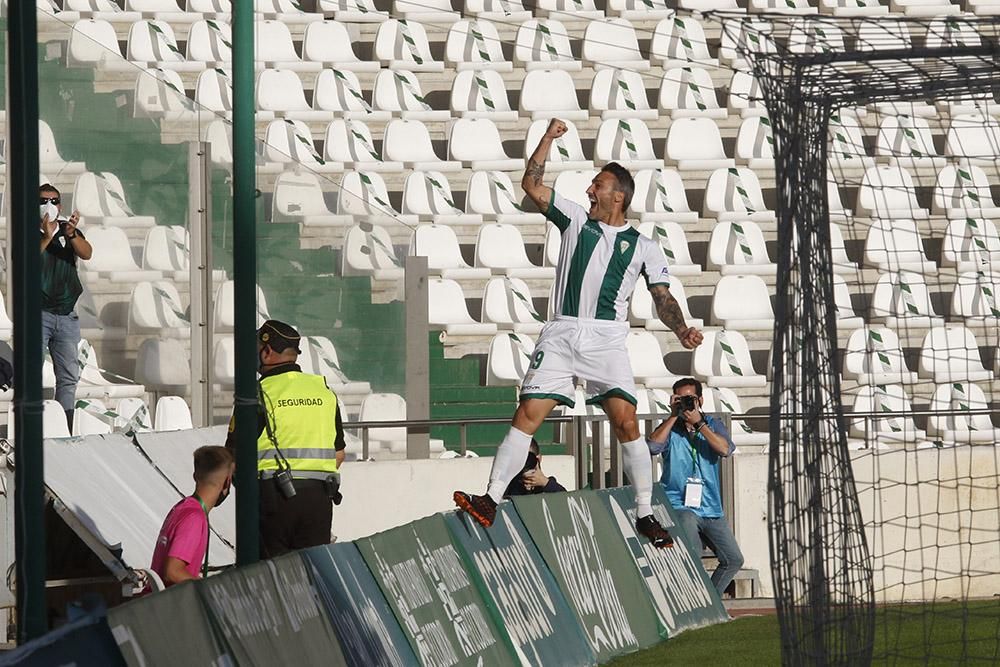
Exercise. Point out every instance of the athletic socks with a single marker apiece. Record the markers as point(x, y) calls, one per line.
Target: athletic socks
point(639, 468)
point(509, 460)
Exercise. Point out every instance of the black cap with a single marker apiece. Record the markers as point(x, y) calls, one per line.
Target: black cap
point(278, 336)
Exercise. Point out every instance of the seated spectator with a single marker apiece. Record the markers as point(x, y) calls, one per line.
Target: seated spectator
point(531, 479)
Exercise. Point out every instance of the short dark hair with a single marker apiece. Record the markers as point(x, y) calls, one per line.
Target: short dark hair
point(48, 187)
point(209, 460)
point(625, 183)
point(688, 382)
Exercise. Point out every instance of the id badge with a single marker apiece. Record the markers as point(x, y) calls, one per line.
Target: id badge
point(692, 492)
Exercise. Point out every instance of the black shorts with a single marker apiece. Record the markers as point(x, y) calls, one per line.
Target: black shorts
point(287, 524)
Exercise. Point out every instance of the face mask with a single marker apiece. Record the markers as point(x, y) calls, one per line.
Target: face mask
point(223, 495)
point(50, 209)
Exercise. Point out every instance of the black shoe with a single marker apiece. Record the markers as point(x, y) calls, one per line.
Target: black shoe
point(481, 508)
point(657, 534)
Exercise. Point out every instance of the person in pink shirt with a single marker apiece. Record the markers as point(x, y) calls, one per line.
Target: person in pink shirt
point(183, 540)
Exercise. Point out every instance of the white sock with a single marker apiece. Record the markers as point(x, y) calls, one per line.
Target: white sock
point(508, 461)
point(639, 468)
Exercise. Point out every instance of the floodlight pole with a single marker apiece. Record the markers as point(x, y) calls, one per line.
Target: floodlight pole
point(245, 287)
point(29, 474)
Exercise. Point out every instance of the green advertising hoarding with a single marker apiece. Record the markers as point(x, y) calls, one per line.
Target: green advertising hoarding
point(510, 570)
point(432, 595)
point(584, 550)
point(681, 591)
point(369, 633)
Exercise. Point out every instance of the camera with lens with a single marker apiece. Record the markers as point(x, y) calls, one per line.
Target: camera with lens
point(686, 403)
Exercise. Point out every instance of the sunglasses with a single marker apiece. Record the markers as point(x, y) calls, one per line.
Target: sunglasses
point(48, 200)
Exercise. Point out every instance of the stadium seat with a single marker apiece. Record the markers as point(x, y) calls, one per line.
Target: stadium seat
point(352, 11)
point(646, 358)
point(507, 303)
point(738, 248)
point(745, 96)
point(319, 356)
point(550, 93)
point(642, 311)
point(159, 93)
point(100, 199)
point(794, 7)
point(853, 7)
point(723, 360)
point(753, 35)
point(274, 48)
point(508, 11)
point(386, 408)
point(91, 417)
point(566, 152)
point(640, 10)
point(901, 300)
point(223, 319)
point(350, 142)
point(742, 303)
point(172, 414)
point(874, 356)
point(611, 43)
point(368, 251)
point(809, 36)
point(964, 192)
point(156, 307)
point(93, 43)
point(973, 303)
point(907, 142)
point(402, 44)
point(958, 397)
point(847, 319)
point(286, 11)
point(620, 93)
point(695, 144)
point(477, 144)
point(951, 354)
point(213, 91)
point(544, 45)
point(971, 244)
point(573, 186)
point(894, 245)
point(133, 416)
point(508, 359)
point(569, 9)
point(847, 145)
point(439, 245)
point(339, 91)
point(626, 141)
point(92, 325)
point(755, 143)
point(974, 137)
point(724, 399)
point(834, 201)
point(680, 42)
point(159, 364)
point(552, 247)
point(709, 5)
point(673, 241)
point(298, 197)
point(660, 197)
point(491, 194)
point(210, 42)
point(426, 11)
point(214, 9)
point(363, 194)
point(475, 45)
point(219, 135)
point(924, 7)
point(842, 264)
point(93, 384)
point(449, 312)
point(114, 262)
point(481, 94)
point(734, 194)
point(50, 161)
point(688, 92)
point(896, 430)
point(6, 325)
point(280, 94)
point(54, 423)
point(398, 91)
point(983, 7)
point(102, 10)
point(328, 44)
point(888, 192)
point(409, 142)
point(152, 43)
point(290, 143)
point(427, 195)
point(500, 248)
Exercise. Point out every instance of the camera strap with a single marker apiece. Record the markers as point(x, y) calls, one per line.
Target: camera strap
point(208, 536)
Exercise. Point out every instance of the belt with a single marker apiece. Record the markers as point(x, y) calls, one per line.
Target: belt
point(296, 474)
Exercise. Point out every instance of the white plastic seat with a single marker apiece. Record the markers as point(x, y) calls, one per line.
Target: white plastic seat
point(550, 93)
point(217, 9)
point(319, 356)
point(853, 7)
point(907, 142)
point(640, 10)
point(93, 384)
point(275, 48)
point(742, 303)
point(971, 302)
point(874, 356)
point(566, 152)
point(477, 144)
point(133, 416)
point(475, 45)
point(409, 142)
point(93, 43)
point(724, 399)
point(951, 354)
point(881, 431)
point(6, 325)
point(100, 199)
point(735, 194)
point(959, 428)
point(386, 408)
point(280, 94)
point(298, 197)
point(834, 200)
point(974, 137)
point(363, 194)
point(695, 144)
point(491, 194)
point(402, 44)
point(893, 245)
point(350, 142)
point(156, 307)
point(512, 11)
point(50, 161)
point(924, 7)
point(112, 258)
point(964, 192)
point(101, 10)
point(569, 9)
point(552, 247)
point(847, 146)
point(544, 44)
point(753, 35)
point(500, 248)
point(481, 94)
point(808, 36)
point(620, 93)
point(646, 359)
point(439, 245)
point(225, 308)
point(660, 197)
point(797, 7)
point(902, 300)
point(688, 92)
point(573, 185)
point(709, 5)
point(745, 95)
point(448, 311)
point(286, 11)
point(290, 143)
point(398, 92)
point(738, 248)
point(219, 135)
point(368, 251)
point(90, 417)
point(352, 11)
point(971, 244)
point(712, 364)
point(328, 44)
point(152, 43)
point(842, 264)
point(888, 192)
point(755, 143)
point(507, 303)
point(224, 361)
point(679, 42)
point(339, 91)
point(508, 359)
point(626, 141)
point(642, 311)
point(159, 93)
point(172, 414)
point(427, 195)
point(612, 43)
point(673, 241)
point(210, 42)
point(847, 319)
point(157, 365)
point(213, 91)
point(427, 11)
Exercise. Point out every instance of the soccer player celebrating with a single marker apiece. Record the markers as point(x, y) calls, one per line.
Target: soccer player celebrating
point(600, 260)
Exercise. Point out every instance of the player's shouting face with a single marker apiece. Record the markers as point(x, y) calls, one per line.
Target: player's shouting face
point(605, 197)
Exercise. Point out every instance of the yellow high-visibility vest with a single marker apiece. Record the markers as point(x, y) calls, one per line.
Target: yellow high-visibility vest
point(301, 412)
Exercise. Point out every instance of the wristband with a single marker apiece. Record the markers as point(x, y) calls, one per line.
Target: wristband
point(699, 425)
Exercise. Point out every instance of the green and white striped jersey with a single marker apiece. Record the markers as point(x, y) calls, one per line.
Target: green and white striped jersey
point(600, 264)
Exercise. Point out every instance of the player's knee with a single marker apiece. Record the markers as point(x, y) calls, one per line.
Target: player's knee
point(626, 430)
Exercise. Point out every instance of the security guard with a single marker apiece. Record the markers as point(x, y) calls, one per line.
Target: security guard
point(300, 446)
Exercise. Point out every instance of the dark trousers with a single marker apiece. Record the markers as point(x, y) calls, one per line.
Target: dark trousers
point(287, 524)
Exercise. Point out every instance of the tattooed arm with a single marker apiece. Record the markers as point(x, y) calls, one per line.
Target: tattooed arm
point(669, 312)
point(534, 174)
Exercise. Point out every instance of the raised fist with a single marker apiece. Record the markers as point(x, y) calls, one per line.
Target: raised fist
point(556, 129)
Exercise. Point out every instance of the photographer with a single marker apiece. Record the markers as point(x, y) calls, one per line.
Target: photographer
point(532, 479)
point(692, 444)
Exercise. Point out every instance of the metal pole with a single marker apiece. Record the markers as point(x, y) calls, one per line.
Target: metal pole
point(418, 373)
point(29, 474)
point(245, 287)
point(200, 268)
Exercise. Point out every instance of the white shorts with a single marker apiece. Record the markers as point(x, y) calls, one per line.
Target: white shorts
point(593, 351)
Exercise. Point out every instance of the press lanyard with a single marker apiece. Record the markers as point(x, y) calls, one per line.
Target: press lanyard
point(208, 535)
point(695, 457)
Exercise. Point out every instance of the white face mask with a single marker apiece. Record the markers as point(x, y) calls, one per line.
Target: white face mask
point(50, 209)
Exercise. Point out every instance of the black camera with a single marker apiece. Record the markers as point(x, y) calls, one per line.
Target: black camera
point(686, 403)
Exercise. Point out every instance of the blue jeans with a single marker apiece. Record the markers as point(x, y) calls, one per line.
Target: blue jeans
point(718, 536)
point(61, 335)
